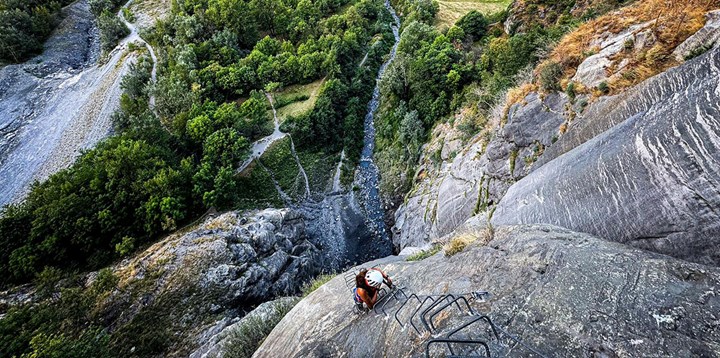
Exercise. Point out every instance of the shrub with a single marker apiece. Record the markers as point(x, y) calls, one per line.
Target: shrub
point(252, 331)
point(570, 91)
point(550, 75)
point(422, 255)
point(313, 285)
point(603, 87)
point(112, 30)
point(25, 25)
point(473, 24)
point(698, 51)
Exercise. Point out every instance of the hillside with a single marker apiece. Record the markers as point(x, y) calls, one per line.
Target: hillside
point(204, 178)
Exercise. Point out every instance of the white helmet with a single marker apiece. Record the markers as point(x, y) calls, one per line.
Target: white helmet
point(374, 278)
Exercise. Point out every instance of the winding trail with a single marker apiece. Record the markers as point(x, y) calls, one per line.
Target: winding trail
point(59, 103)
point(135, 36)
point(260, 146)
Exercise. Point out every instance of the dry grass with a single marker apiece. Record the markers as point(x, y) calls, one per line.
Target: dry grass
point(310, 90)
point(460, 242)
point(673, 22)
point(517, 95)
point(453, 10)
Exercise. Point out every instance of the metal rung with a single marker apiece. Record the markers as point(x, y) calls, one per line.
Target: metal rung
point(416, 311)
point(495, 330)
point(435, 304)
point(402, 325)
point(460, 298)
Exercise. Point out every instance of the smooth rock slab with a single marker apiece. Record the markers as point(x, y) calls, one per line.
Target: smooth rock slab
point(565, 294)
point(652, 181)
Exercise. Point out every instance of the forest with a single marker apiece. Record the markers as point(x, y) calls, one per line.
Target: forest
point(166, 166)
point(25, 26)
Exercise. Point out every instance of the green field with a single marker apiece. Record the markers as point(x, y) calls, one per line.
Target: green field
point(296, 100)
point(453, 10)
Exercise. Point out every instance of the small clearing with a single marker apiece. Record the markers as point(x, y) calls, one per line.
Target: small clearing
point(453, 10)
point(297, 99)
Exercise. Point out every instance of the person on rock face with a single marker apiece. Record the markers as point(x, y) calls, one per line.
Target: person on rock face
point(367, 285)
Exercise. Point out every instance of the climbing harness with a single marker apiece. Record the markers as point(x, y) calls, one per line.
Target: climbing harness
point(427, 308)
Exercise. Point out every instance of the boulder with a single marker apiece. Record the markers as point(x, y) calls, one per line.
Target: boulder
point(562, 293)
point(705, 38)
point(652, 180)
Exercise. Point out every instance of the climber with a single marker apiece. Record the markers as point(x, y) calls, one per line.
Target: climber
point(367, 285)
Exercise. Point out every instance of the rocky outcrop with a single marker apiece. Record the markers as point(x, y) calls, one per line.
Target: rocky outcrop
point(198, 283)
point(247, 258)
point(594, 69)
point(651, 180)
point(563, 293)
point(480, 174)
point(704, 39)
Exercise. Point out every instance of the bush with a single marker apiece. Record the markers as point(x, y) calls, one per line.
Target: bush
point(473, 24)
point(699, 51)
point(570, 91)
point(245, 339)
point(550, 75)
point(112, 30)
point(25, 26)
point(604, 87)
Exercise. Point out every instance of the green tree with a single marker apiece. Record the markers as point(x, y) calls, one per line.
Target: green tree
point(474, 24)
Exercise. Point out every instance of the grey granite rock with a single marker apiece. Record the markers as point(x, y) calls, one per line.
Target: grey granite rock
point(480, 174)
point(706, 37)
point(565, 294)
point(651, 180)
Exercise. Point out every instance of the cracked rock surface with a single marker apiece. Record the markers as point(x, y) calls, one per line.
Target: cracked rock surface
point(480, 174)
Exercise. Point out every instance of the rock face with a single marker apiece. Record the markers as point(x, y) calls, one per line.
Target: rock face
point(651, 180)
point(247, 258)
point(481, 173)
point(59, 103)
point(200, 282)
point(564, 294)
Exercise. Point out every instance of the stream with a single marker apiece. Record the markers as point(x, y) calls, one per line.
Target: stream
point(368, 176)
point(349, 222)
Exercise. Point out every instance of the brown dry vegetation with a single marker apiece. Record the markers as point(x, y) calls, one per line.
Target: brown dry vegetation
point(673, 22)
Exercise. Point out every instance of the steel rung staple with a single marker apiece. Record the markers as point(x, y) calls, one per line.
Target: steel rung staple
point(448, 305)
point(435, 304)
point(403, 305)
point(416, 311)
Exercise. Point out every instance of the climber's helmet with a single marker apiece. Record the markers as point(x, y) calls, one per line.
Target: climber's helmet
point(374, 278)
